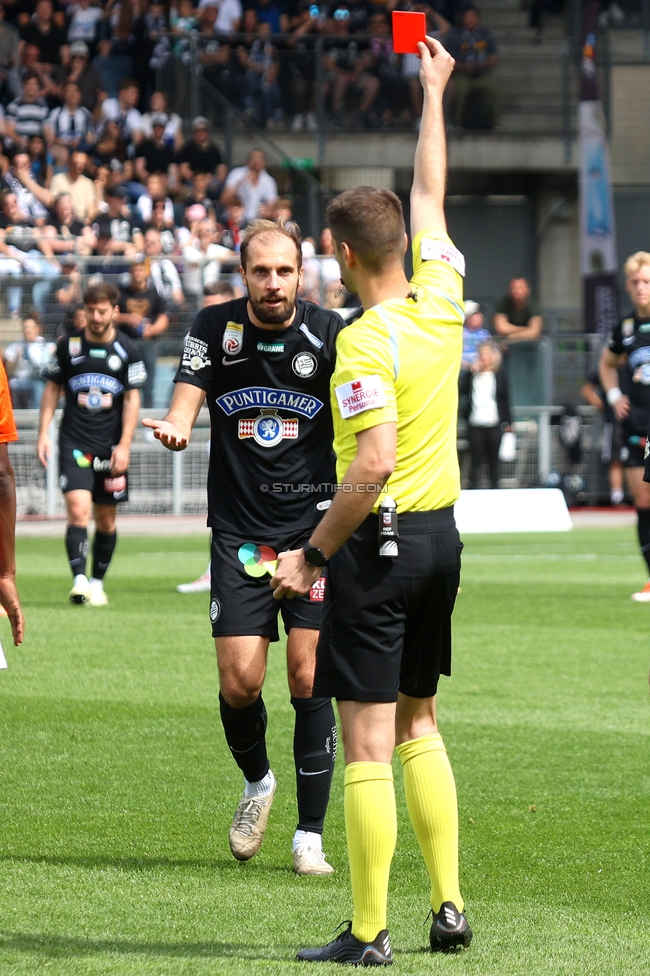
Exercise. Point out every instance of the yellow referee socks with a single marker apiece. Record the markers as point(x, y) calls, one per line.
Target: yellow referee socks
point(433, 809)
point(371, 829)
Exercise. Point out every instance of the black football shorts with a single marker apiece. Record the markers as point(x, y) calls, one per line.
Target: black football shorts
point(80, 470)
point(387, 622)
point(241, 600)
point(633, 449)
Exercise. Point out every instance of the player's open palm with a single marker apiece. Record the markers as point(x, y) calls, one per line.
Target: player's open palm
point(436, 64)
point(169, 435)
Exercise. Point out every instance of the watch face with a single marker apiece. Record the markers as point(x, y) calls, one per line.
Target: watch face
point(314, 556)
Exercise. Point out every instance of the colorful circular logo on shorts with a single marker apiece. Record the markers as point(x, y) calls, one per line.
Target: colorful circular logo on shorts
point(257, 560)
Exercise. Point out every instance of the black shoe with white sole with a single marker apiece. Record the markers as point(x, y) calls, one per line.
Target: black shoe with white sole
point(350, 951)
point(450, 929)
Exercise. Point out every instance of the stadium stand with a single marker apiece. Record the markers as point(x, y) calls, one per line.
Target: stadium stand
point(185, 121)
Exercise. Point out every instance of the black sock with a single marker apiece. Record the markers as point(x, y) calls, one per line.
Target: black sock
point(314, 752)
point(245, 730)
point(643, 527)
point(76, 543)
point(103, 549)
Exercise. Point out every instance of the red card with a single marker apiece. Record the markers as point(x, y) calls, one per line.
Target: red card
point(409, 27)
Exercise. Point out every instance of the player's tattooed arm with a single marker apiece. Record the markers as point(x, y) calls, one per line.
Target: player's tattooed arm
point(175, 429)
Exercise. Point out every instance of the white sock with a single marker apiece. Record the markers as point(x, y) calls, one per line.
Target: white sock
point(307, 837)
point(96, 583)
point(262, 787)
point(79, 579)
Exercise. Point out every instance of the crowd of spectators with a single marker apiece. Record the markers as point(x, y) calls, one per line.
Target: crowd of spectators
point(74, 56)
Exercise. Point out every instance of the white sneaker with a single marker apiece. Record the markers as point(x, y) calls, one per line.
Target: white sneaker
point(200, 585)
point(643, 596)
point(309, 860)
point(97, 597)
point(80, 592)
point(297, 123)
point(312, 122)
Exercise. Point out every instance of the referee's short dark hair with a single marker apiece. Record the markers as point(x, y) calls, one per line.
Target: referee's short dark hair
point(262, 228)
point(370, 221)
point(102, 292)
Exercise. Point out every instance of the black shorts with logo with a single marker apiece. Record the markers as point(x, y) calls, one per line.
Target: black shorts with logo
point(241, 600)
point(633, 448)
point(79, 470)
point(387, 622)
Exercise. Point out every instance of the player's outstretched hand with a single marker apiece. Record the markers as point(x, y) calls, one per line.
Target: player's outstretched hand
point(168, 434)
point(293, 576)
point(436, 64)
point(43, 449)
point(11, 603)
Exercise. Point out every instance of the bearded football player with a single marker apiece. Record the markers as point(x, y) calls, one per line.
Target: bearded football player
point(264, 363)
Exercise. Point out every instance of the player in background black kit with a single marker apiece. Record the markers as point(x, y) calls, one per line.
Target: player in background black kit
point(264, 364)
point(100, 371)
point(628, 347)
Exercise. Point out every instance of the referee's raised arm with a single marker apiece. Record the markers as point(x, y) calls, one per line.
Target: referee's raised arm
point(430, 167)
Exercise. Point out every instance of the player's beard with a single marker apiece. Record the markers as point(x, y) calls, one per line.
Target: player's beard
point(273, 316)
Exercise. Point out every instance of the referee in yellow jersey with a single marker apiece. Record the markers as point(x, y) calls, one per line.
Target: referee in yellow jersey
point(386, 634)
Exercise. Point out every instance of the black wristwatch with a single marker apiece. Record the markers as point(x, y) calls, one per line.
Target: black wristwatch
point(314, 556)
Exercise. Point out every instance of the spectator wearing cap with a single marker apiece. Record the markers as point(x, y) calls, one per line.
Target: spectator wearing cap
point(143, 315)
point(80, 69)
point(173, 134)
point(70, 125)
point(256, 188)
point(474, 333)
point(200, 154)
point(162, 271)
point(80, 187)
point(154, 155)
point(115, 231)
point(26, 115)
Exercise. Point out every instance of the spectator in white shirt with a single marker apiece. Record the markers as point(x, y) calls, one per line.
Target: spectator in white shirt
point(256, 189)
point(162, 271)
point(84, 18)
point(123, 111)
point(229, 15)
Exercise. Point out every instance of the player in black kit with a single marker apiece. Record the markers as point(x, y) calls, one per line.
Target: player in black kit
point(629, 348)
point(264, 364)
point(100, 371)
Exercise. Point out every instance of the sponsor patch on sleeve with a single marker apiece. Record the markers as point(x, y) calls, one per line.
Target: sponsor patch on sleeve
point(195, 354)
point(137, 373)
point(366, 393)
point(431, 250)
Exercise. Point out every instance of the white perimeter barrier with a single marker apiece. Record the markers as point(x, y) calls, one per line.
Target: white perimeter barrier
point(512, 510)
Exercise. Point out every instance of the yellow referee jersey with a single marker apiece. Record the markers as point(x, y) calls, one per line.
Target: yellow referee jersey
point(399, 362)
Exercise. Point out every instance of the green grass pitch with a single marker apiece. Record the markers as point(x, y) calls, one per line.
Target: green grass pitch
point(116, 788)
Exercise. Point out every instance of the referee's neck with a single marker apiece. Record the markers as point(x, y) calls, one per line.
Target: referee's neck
point(382, 287)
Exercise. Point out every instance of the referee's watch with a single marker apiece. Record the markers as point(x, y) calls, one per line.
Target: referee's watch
point(314, 556)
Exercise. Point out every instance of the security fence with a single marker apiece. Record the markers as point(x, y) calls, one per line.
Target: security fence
point(165, 482)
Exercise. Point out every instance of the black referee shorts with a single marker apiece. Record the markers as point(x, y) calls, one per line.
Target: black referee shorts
point(241, 600)
point(387, 622)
